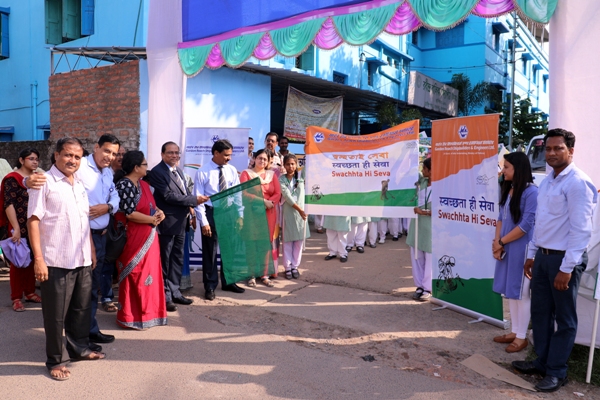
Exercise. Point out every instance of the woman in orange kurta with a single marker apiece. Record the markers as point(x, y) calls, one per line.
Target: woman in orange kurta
point(271, 194)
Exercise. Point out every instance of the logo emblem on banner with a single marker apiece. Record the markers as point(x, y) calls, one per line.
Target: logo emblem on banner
point(215, 138)
point(463, 132)
point(319, 137)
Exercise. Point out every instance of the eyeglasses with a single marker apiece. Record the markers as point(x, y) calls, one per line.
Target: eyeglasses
point(173, 153)
point(145, 164)
point(271, 141)
point(33, 159)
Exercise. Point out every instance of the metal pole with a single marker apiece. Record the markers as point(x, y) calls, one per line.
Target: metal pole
point(512, 90)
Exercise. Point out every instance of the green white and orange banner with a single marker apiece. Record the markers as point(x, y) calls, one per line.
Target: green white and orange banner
point(464, 167)
point(362, 176)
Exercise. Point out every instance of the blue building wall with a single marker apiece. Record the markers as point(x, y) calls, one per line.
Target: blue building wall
point(479, 48)
point(28, 66)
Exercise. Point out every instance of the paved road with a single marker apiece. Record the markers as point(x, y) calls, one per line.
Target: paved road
point(303, 339)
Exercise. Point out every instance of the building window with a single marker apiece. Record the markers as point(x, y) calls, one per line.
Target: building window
point(496, 39)
point(545, 83)
point(415, 38)
point(4, 13)
point(339, 78)
point(68, 20)
point(306, 60)
point(370, 72)
point(451, 37)
point(534, 73)
point(525, 66)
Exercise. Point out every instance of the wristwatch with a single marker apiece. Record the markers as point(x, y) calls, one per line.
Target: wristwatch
point(110, 208)
point(500, 242)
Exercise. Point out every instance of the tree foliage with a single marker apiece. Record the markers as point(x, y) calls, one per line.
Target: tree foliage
point(526, 124)
point(387, 114)
point(470, 97)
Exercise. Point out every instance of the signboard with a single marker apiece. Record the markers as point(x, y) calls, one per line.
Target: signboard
point(465, 209)
point(431, 94)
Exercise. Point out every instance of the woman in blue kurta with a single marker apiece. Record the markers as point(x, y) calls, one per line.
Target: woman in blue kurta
point(518, 204)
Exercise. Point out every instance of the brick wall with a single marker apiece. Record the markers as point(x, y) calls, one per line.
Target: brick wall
point(92, 102)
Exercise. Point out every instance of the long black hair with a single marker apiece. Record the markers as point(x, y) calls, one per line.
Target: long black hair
point(131, 159)
point(26, 153)
point(522, 177)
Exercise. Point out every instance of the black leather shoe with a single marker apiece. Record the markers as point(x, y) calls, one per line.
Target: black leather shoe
point(343, 259)
point(360, 249)
point(330, 257)
point(209, 295)
point(182, 300)
point(171, 307)
point(526, 367)
point(233, 288)
point(395, 239)
point(95, 347)
point(101, 338)
point(551, 384)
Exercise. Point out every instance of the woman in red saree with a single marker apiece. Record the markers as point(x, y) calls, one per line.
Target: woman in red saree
point(141, 292)
point(13, 209)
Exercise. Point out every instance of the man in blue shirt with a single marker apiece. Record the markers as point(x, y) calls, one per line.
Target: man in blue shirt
point(556, 259)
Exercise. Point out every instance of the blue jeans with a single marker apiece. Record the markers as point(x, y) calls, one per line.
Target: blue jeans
point(549, 306)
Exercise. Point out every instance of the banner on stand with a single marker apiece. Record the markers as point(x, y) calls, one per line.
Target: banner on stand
point(196, 151)
point(465, 209)
point(303, 110)
point(362, 176)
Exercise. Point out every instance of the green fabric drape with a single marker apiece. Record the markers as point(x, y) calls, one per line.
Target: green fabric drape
point(295, 39)
point(538, 10)
point(193, 59)
point(363, 27)
point(440, 14)
point(237, 50)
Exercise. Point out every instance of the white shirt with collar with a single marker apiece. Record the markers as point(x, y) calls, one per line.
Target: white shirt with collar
point(206, 183)
point(563, 219)
point(99, 187)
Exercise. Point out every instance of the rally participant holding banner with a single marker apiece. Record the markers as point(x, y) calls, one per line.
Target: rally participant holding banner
point(337, 229)
point(272, 194)
point(419, 236)
point(358, 233)
point(514, 229)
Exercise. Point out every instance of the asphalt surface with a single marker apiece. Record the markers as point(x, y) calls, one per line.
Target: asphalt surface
point(342, 331)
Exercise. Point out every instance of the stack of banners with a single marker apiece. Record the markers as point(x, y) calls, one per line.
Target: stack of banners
point(303, 110)
point(465, 191)
point(243, 232)
point(362, 176)
point(197, 151)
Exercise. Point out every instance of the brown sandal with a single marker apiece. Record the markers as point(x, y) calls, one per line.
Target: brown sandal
point(93, 356)
point(18, 306)
point(60, 373)
point(515, 348)
point(508, 338)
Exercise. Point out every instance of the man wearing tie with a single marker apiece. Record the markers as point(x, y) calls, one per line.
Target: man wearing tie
point(214, 177)
point(175, 200)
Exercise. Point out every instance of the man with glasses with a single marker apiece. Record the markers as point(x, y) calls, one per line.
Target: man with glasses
point(117, 163)
point(270, 143)
point(175, 200)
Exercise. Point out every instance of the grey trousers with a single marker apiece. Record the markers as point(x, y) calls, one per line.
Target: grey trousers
point(66, 305)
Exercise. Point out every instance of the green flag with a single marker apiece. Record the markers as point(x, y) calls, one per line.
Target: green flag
point(243, 232)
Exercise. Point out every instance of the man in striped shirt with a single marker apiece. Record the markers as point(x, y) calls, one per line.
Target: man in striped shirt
point(59, 233)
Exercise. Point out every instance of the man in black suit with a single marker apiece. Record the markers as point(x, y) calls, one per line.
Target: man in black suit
point(175, 200)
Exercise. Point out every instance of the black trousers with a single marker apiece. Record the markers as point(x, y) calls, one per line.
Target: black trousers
point(171, 257)
point(66, 305)
point(210, 274)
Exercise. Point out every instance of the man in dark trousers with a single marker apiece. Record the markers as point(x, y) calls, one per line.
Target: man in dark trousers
point(214, 177)
point(175, 200)
point(556, 258)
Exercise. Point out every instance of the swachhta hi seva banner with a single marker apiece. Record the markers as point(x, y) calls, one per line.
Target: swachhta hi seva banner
point(464, 167)
point(362, 176)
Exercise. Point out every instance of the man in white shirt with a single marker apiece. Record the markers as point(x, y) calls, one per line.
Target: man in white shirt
point(59, 233)
point(214, 177)
point(556, 259)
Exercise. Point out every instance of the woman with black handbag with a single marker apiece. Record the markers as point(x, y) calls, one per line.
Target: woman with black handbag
point(141, 291)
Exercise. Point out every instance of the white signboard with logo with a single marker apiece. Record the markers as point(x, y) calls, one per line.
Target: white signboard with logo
point(431, 94)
